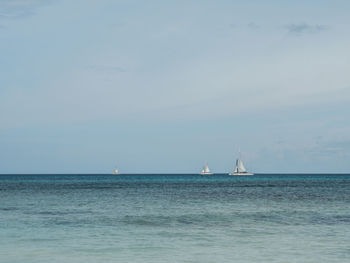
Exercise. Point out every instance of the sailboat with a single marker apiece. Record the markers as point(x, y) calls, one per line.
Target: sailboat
point(239, 168)
point(115, 171)
point(206, 170)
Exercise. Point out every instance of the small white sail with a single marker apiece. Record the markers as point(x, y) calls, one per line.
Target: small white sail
point(206, 169)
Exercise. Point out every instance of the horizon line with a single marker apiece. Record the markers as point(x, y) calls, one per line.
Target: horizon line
point(121, 174)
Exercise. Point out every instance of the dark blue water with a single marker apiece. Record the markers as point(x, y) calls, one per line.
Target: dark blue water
point(174, 218)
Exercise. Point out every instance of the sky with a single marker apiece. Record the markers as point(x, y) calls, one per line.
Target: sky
point(166, 86)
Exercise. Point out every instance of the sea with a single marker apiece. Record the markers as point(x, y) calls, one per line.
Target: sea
point(282, 218)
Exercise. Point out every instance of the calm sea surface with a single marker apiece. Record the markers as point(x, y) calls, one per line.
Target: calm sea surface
point(174, 218)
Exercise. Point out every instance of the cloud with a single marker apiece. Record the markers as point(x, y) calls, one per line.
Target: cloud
point(303, 28)
point(233, 25)
point(253, 26)
point(19, 9)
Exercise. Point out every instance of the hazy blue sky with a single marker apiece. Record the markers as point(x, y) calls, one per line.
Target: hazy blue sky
point(165, 86)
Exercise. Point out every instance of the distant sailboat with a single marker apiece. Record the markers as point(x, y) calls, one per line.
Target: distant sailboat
point(239, 168)
point(115, 171)
point(206, 170)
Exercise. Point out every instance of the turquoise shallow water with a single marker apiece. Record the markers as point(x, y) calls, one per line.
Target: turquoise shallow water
point(174, 218)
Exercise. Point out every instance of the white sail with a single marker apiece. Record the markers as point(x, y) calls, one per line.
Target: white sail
point(240, 166)
point(115, 171)
point(240, 169)
point(206, 169)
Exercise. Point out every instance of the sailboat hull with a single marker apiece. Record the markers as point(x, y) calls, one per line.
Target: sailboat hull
point(241, 174)
point(206, 173)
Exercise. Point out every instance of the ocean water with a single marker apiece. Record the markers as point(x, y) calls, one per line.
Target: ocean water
point(174, 218)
